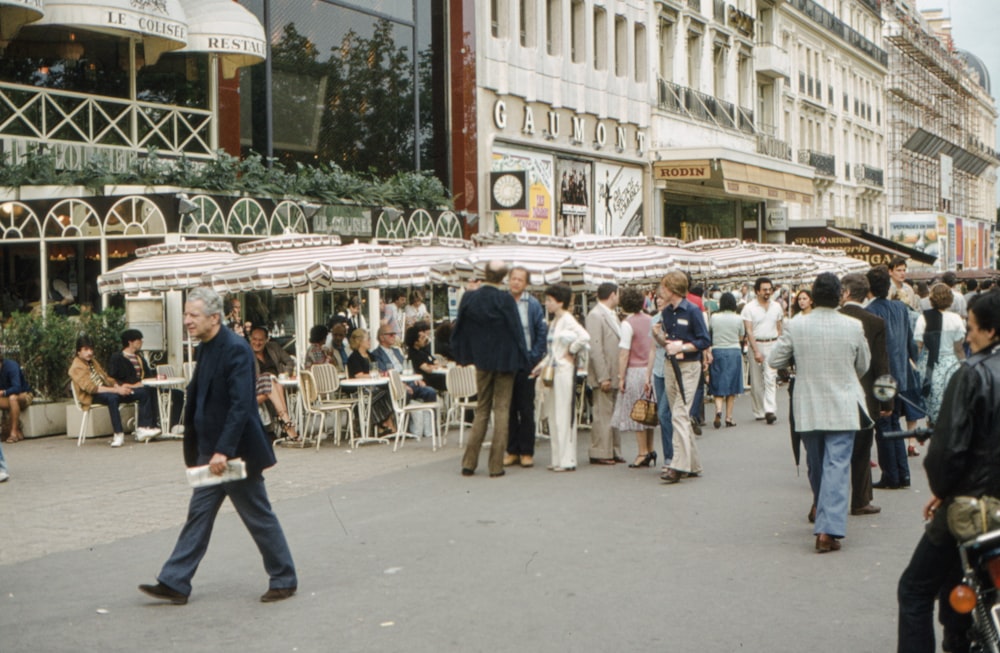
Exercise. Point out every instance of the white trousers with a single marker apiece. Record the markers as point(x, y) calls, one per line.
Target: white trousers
point(558, 402)
point(763, 382)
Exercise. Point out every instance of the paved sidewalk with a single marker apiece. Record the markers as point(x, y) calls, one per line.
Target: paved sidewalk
point(62, 497)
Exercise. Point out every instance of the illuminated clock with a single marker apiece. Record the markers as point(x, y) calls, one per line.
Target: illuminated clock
point(508, 190)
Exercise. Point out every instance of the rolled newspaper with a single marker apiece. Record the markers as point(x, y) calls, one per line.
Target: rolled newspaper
point(236, 470)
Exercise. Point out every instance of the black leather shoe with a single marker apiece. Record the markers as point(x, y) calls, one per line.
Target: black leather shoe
point(770, 418)
point(467, 472)
point(164, 593)
point(812, 514)
point(882, 485)
point(602, 461)
point(695, 426)
point(277, 594)
point(498, 474)
point(905, 483)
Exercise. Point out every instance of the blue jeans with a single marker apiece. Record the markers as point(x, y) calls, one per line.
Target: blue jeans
point(828, 462)
point(891, 453)
point(3, 461)
point(249, 497)
point(666, 419)
point(112, 401)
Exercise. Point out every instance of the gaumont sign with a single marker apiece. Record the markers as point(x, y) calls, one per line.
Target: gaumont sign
point(683, 170)
point(567, 127)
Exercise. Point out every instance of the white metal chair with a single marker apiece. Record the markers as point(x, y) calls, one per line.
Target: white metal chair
point(403, 410)
point(85, 421)
point(461, 384)
point(315, 408)
point(328, 389)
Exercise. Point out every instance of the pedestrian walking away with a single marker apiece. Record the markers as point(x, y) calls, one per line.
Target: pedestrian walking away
point(221, 422)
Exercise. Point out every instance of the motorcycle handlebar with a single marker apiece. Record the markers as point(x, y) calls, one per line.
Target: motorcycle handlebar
point(922, 434)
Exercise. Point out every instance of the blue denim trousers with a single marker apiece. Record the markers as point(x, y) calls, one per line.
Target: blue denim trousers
point(666, 419)
point(3, 461)
point(828, 460)
point(249, 497)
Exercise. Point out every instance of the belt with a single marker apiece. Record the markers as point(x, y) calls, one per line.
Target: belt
point(765, 339)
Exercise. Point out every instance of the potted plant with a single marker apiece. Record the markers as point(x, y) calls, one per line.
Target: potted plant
point(44, 345)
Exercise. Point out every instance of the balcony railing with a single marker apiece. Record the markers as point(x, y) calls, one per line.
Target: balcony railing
point(869, 175)
point(705, 108)
point(837, 27)
point(824, 164)
point(769, 145)
point(42, 114)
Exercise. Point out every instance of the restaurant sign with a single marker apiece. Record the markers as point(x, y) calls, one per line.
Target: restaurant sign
point(853, 246)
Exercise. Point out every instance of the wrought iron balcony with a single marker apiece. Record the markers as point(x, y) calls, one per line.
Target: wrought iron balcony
point(769, 145)
point(868, 175)
point(824, 164)
point(705, 108)
point(835, 26)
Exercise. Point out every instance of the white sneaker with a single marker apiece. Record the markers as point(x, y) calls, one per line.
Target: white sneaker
point(118, 440)
point(4, 476)
point(178, 429)
point(144, 433)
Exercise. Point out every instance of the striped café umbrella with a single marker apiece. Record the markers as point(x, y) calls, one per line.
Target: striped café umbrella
point(168, 266)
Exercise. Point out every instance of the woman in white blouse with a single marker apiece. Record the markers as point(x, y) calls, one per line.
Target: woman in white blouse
point(566, 338)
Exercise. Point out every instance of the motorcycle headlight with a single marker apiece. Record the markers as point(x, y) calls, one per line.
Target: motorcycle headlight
point(962, 599)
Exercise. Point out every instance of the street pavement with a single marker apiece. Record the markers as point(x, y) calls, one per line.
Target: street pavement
point(399, 552)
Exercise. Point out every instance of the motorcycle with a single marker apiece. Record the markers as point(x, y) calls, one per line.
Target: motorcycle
point(978, 594)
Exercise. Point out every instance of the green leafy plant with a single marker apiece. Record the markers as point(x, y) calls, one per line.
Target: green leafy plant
point(45, 345)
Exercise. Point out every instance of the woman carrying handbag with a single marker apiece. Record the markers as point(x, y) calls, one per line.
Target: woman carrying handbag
point(566, 337)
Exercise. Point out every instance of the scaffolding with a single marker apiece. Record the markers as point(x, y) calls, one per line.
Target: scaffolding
point(932, 107)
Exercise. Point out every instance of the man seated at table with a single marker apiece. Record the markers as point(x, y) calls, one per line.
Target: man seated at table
point(271, 361)
point(389, 356)
point(129, 367)
point(337, 345)
point(15, 396)
point(94, 385)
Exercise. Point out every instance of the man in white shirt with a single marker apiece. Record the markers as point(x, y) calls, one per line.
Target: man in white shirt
point(762, 318)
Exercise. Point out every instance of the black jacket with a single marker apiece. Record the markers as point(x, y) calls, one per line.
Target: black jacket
point(122, 371)
point(963, 458)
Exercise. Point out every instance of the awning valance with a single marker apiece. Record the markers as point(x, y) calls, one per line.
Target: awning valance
point(161, 24)
point(225, 28)
point(753, 181)
point(15, 13)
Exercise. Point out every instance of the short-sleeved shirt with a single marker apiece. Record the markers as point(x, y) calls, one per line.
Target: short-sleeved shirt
point(763, 319)
point(726, 329)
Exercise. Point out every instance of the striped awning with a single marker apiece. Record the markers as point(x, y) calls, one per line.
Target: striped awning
point(169, 266)
point(299, 268)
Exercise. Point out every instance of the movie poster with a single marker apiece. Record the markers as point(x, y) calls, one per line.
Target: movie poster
point(537, 217)
point(618, 204)
point(575, 197)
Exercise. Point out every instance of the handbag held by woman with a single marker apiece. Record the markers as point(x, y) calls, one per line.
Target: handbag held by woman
point(644, 410)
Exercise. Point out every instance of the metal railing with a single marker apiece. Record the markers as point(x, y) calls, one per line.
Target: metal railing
point(824, 164)
point(48, 115)
point(770, 145)
point(866, 174)
point(705, 108)
point(835, 26)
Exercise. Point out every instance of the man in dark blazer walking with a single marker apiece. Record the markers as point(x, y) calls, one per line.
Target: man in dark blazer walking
point(221, 422)
point(488, 334)
point(855, 291)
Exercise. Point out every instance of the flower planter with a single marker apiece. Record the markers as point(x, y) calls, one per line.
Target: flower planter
point(53, 192)
point(41, 419)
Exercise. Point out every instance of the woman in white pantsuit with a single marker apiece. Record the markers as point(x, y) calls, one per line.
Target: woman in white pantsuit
point(566, 337)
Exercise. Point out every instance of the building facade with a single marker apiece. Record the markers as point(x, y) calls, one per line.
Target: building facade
point(942, 133)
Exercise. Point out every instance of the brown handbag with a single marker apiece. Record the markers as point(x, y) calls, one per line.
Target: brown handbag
point(644, 411)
